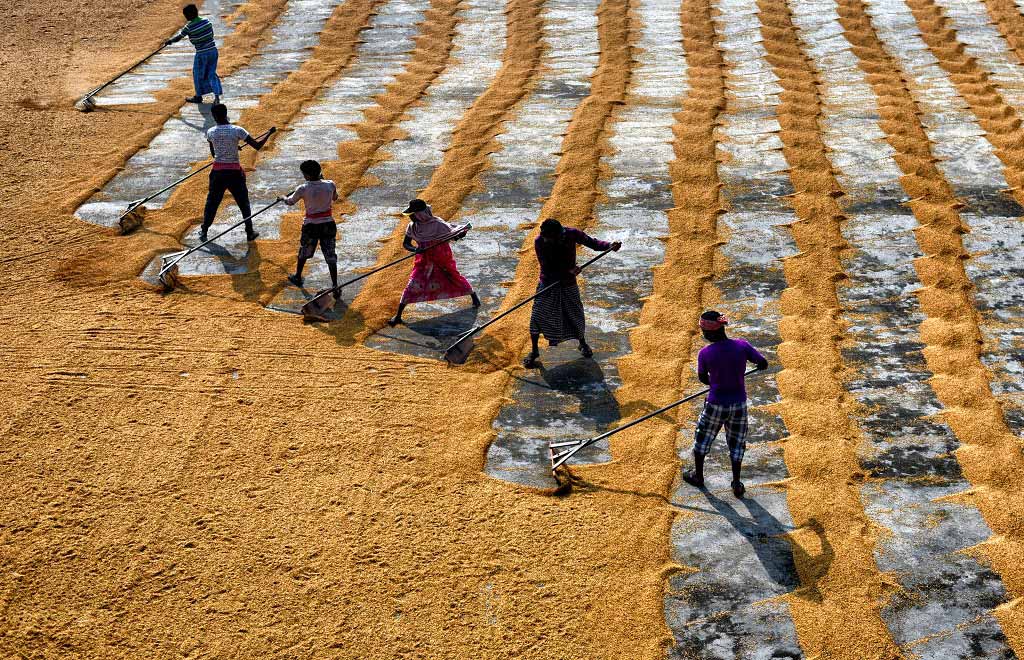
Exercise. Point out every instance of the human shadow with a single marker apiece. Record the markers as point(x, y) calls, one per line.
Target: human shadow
point(208, 120)
point(443, 329)
point(766, 535)
point(231, 264)
point(584, 379)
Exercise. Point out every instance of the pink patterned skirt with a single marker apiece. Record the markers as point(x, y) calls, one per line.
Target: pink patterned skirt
point(435, 277)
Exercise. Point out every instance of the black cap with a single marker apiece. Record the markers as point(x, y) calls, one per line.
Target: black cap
point(415, 206)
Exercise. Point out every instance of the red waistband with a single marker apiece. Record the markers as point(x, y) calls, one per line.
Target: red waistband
point(227, 166)
point(317, 216)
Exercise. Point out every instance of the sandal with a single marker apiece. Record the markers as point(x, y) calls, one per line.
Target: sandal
point(296, 279)
point(738, 489)
point(530, 361)
point(691, 479)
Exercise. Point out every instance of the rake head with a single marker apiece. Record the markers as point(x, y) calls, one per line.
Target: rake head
point(459, 352)
point(315, 310)
point(132, 218)
point(169, 278)
point(86, 104)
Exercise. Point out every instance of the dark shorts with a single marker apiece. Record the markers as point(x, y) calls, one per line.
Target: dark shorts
point(733, 417)
point(323, 233)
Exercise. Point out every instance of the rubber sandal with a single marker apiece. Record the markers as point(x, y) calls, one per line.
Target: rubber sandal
point(738, 489)
point(530, 361)
point(692, 480)
point(295, 279)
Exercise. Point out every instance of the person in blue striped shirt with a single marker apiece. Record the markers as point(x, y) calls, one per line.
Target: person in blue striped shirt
point(204, 68)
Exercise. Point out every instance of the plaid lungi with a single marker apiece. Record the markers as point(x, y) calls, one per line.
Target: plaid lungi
point(558, 314)
point(734, 417)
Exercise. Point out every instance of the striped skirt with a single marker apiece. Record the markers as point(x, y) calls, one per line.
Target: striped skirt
point(558, 314)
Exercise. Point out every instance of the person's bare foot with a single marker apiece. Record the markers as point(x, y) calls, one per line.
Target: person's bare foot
point(530, 361)
point(394, 320)
point(738, 489)
point(475, 298)
point(586, 350)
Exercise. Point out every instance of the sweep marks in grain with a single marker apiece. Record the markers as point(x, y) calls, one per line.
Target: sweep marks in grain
point(989, 456)
point(907, 450)
point(740, 611)
point(835, 540)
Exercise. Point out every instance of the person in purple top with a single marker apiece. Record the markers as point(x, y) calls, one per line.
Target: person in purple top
point(721, 365)
point(558, 313)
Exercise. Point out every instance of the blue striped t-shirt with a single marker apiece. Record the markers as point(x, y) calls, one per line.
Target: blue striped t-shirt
point(200, 32)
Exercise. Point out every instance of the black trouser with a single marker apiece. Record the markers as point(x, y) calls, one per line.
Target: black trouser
point(221, 180)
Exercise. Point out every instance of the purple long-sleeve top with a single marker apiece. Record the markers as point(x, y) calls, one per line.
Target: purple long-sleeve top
point(558, 257)
point(721, 364)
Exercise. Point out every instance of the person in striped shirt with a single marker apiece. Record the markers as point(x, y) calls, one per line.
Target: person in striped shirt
point(204, 67)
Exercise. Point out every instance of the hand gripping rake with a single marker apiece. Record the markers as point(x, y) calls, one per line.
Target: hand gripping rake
point(134, 215)
point(321, 303)
point(558, 458)
point(87, 104)
point(168, 274)
point(459, 352)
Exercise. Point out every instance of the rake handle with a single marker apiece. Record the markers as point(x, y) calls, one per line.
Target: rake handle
point(125, 72)
point(559, 459)
point(189, 251)
point(387, 265)
point(473, 331)
point(134, 205)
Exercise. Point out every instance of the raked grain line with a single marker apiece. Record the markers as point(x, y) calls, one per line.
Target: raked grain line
point(1000, 243)
point(397, 142)
point(180, 142)
point(382, 52)
point(333, 53)
point(908, 452)
point(735, 599)
point(259, 272)
point(245, 40)
point(976, 176)
point(404, 166)
point(431, 58)
point(983, 42)
point(498, 121)
point(1007, 15)
point(139, 85)
point(989, 455)
point(840, 612)
point(1000, 120)
point(571, 396)
point(575, 192)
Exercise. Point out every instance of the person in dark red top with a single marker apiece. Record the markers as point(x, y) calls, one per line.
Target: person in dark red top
point(558, 313)
point(721, 365)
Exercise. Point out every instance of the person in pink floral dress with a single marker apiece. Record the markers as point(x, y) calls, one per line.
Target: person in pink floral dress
point(434, 273)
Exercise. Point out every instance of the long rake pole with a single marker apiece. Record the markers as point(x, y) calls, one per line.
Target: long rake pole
point(383, 267)
point(558, 459)
point(181, 255)
point(123, 73)
point(137, 203)
point(473, 331)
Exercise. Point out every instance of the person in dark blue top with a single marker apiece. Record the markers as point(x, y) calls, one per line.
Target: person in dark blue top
point(721, 365)
point(558, 313)
point(204, 67)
